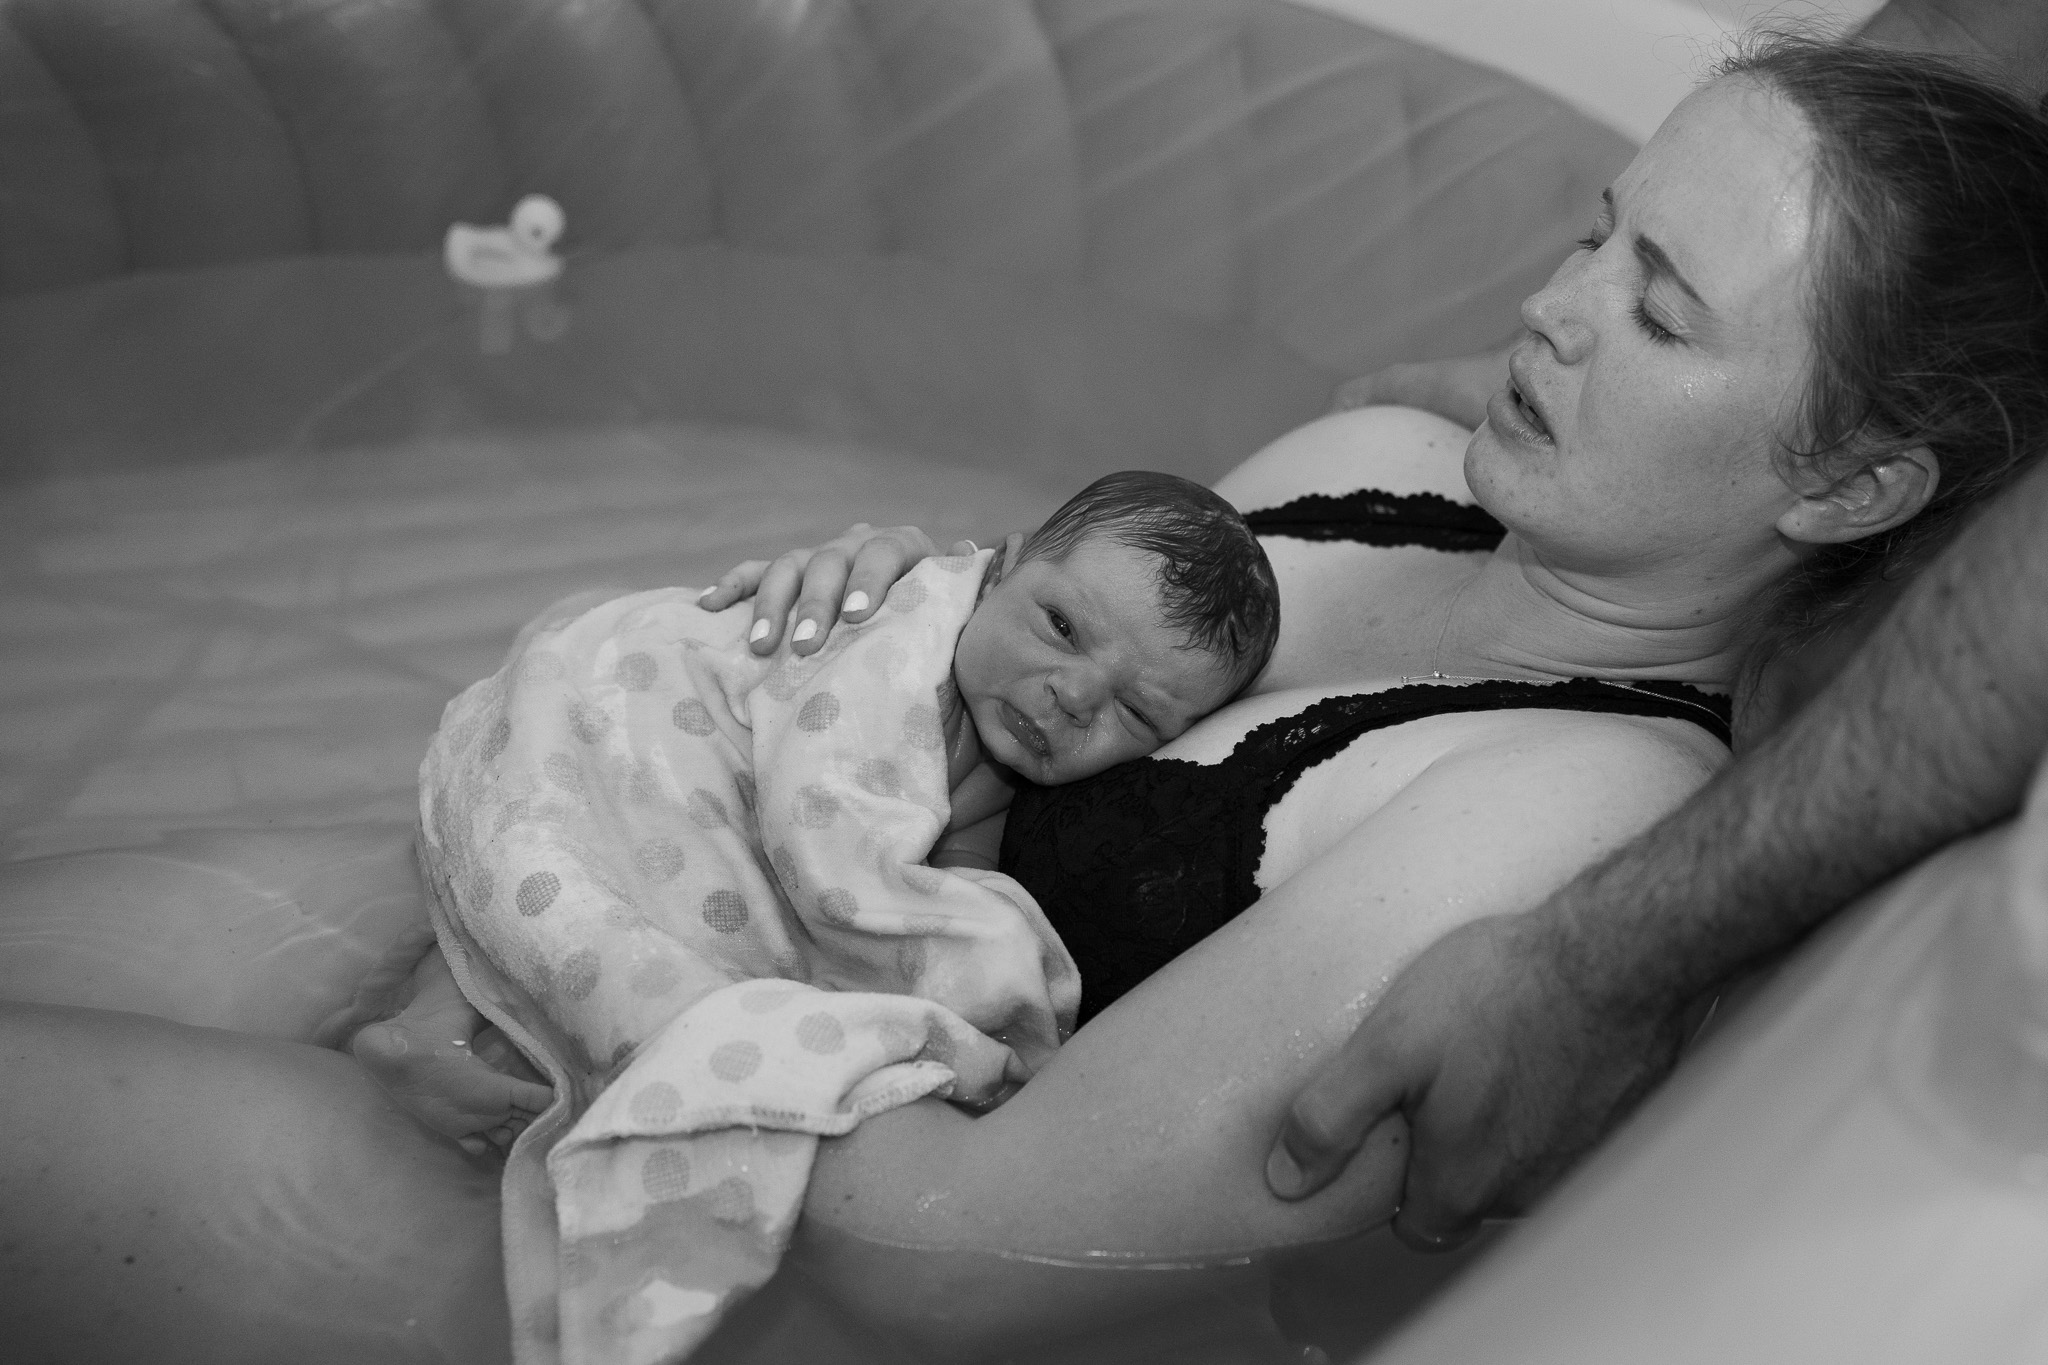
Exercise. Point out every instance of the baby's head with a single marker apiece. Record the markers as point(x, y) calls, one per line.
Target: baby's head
point(1141, 606)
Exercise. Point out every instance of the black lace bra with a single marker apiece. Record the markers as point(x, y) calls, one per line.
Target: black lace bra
point(1375, 518)
point(1136, 865)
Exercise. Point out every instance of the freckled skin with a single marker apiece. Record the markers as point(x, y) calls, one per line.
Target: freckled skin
point(1067, 669)
point(1645, 392)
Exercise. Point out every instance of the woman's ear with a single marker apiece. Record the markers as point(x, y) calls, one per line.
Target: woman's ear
point(1874, 496)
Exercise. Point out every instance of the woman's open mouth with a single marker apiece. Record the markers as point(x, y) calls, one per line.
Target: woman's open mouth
point(1512, 414)
point(1527, 410)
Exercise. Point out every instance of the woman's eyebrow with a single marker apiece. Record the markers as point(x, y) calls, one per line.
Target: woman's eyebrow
point(1655, 257)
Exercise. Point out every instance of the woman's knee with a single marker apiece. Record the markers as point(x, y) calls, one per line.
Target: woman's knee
point(229, 1197)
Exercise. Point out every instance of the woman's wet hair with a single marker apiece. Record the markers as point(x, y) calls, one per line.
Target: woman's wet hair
point(1215, 584)
point(1930, 296)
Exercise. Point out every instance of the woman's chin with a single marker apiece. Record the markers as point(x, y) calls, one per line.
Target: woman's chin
point(1492, 467)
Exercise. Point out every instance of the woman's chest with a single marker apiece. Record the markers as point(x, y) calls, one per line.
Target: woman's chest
point(1358, 611)
point(1309, 764)
point(1330, 799)
point(1301, 769)
point(1139, 863)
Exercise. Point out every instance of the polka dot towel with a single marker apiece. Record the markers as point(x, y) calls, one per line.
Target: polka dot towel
point(644, 843)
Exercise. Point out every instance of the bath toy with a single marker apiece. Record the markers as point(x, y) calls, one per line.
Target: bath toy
point(513, 256)
point(512, 267)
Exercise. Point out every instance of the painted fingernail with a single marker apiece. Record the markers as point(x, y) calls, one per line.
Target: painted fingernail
point(855, 601)
point(804, 631)
point(759, 632)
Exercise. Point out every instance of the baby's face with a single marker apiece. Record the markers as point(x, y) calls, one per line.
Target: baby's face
point(1067, 669)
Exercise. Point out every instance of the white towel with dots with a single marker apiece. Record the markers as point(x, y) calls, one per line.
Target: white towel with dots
point(690, 884)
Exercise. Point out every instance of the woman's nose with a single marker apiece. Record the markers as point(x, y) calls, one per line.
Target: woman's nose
point(1557, 311)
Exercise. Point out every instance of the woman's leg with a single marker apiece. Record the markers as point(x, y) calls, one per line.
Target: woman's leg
point(173, 1193)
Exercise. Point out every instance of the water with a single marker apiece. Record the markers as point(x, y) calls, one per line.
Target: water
point(276, 486)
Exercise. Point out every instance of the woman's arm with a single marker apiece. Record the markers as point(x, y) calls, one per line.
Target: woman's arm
point(1456, 387)
point(1392, 450)
point(1932, 730)
point(1143, 1140)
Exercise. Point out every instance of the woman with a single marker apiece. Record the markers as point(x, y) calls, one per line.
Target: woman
point(1737, 301)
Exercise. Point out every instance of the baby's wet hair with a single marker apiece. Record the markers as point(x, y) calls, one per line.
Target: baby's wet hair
point(1215, 583)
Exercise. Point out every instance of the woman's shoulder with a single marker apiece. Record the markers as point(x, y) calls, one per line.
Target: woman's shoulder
point(1393, 450)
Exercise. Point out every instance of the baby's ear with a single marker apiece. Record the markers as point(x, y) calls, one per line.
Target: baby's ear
point(1000, 563)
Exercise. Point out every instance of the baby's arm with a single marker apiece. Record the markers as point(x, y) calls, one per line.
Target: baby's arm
point(975, 834)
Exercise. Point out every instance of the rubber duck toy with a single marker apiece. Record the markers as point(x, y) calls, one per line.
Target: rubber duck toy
point(512, 266)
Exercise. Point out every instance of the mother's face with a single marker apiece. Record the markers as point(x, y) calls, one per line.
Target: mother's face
point(1639, 426)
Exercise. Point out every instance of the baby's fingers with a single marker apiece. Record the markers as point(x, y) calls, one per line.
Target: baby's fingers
point(527, 1096)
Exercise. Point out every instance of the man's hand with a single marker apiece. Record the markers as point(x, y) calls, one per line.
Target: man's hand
point(1506, 1075)
point(2012, 33)
point(848, 576)
point(1457, 388)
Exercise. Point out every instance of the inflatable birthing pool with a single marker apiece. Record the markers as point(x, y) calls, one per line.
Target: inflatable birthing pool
point(339, 337)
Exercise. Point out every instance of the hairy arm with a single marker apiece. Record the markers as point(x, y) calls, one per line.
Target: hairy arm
point(1513, 1045)
point(1140, 1141)
point(1931, 731)
point(2012, 33)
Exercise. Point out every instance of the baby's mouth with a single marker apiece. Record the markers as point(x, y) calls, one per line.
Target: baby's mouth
point(1025, 732)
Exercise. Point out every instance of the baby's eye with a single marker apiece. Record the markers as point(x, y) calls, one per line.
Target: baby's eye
point(1144, 723)
point(1059, 624)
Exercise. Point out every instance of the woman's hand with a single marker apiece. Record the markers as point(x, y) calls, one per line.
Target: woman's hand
point(847, 576)
point(1506, 1076)
point(1458, 388)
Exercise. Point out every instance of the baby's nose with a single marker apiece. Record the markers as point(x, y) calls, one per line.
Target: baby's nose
point(1078, 692)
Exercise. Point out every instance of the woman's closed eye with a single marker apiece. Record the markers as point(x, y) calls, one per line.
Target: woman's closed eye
point(1596, 236)
point(1653, 329)
point(1638, 311)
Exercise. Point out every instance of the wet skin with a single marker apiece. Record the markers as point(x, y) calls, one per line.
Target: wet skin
point(1645, 408)
point(1066, 667)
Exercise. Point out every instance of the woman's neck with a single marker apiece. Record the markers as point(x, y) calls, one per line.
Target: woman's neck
point(1518, 616)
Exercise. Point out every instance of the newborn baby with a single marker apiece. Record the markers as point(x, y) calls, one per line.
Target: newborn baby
point(1140, 606)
